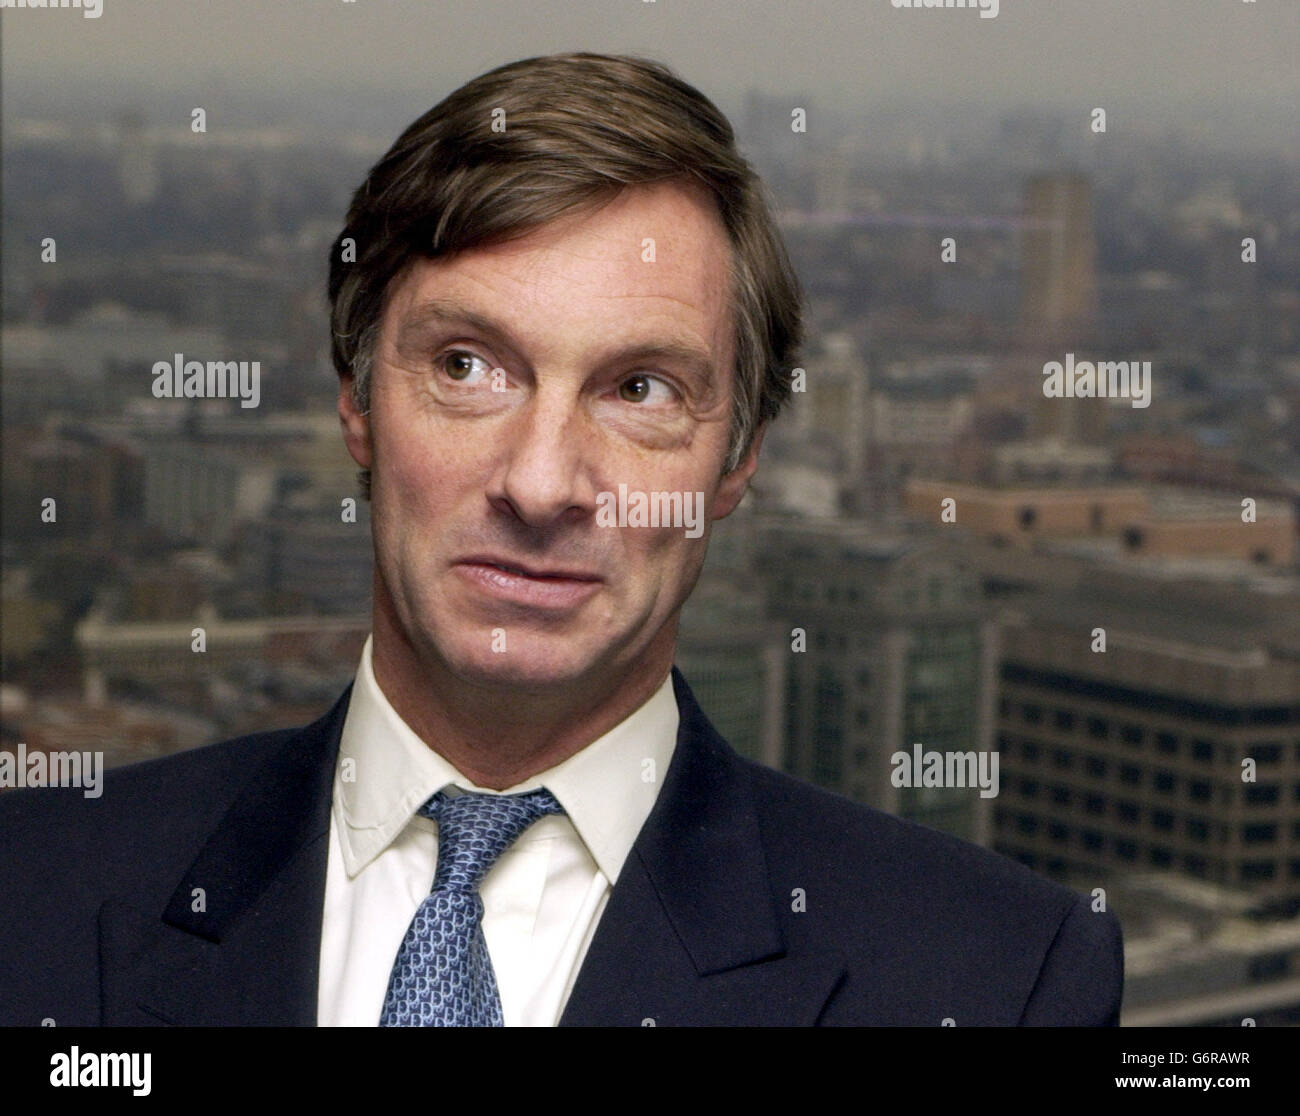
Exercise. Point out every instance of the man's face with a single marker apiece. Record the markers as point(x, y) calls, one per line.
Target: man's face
point(513, 385)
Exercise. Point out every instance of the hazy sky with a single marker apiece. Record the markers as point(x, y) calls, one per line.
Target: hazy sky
point(1158, 57)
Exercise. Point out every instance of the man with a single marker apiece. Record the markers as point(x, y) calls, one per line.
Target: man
point(560, 284)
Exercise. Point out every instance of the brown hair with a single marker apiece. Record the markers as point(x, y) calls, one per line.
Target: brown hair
point(578, 129)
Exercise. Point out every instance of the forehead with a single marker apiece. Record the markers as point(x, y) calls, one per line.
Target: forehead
point(653, 264)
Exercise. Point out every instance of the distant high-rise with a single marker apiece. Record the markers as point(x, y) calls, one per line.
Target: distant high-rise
point(1058, 264)
point(1058, 297)
point(888, 645)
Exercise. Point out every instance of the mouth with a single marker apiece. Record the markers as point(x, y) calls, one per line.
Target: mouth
point(519, 569)
point(547, 588)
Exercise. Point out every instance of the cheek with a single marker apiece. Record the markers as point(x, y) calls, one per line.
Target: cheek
point(673, 556)
point(411, 501)
point(420, 471)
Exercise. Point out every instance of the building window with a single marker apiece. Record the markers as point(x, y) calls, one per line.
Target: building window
point(1058, 832)
point(1029, 788)
point(1061, 796)
point(1199, 791)
point(1098, 729)
point(1160, 857)
point(1203, 750)
point(1128, 811)
point(1259, 833)
point(1027, 517)
point(1027, 823)
point(1197, 830)
point(1061, 758)
point(1266, 753)
point(1164, 782)
point(1163, 820)
point(1167, 743)
point(1092, 840)
point(1126, 850)
point(1258, 870)
point(1130, 775)
point(1063, 720)
point(1095, 804)
point(1032, 714)
point(1130, 734)
point(1095, 766)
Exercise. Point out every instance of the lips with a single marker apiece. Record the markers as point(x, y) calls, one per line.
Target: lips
point(520, 569)
point(505, 582)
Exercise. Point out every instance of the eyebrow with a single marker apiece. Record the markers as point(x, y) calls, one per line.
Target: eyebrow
point(446, 311)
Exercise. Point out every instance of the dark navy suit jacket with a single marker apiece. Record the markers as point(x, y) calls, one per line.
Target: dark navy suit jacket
point(900, 924)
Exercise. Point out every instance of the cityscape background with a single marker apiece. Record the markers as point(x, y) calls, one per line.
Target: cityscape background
point(1097, 606)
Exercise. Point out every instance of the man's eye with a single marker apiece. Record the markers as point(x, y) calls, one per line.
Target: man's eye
point(459, 365)
point(642, 389)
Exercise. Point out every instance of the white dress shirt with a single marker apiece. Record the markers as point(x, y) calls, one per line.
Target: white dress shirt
point(542, 898)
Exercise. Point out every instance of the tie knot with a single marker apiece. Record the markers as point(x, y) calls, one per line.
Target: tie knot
point(475, 829)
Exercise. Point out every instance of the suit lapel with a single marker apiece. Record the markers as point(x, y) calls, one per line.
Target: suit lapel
point(250, 955)
point(689, 936)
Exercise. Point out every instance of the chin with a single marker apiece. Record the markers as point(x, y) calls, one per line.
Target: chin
point(527, 663)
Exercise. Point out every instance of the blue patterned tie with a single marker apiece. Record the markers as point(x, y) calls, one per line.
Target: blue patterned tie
point(443, 976)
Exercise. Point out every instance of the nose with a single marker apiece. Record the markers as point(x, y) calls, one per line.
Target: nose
point(544, 474)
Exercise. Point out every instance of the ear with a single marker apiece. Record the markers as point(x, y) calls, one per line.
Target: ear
point(356, 426)
point(734, 483)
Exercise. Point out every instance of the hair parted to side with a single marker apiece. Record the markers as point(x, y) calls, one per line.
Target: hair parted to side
point(578, 129)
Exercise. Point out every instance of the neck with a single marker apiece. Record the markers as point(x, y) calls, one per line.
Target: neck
point(498, 735)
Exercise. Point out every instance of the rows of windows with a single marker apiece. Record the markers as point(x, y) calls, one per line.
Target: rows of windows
point(1132, 775)
point(1162, 821)
point(1131, 851)
point(1073, 688)
point(1138, 736)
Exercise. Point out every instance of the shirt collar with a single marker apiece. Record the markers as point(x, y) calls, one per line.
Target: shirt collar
point(386, 772)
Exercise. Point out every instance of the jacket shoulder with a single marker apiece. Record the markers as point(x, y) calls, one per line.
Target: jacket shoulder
point(181, 789)
point(65, 853)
